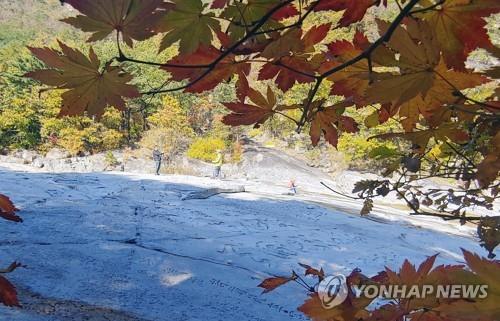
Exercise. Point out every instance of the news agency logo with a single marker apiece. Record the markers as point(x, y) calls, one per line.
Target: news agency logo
point(333, 291)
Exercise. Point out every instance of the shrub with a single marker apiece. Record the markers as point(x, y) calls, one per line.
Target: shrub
point(170, 129)
point(111, 159)
point(360, 152)
point(94, 138)
point(71, 139)
point(112, 118)
point(19, 128)
point(111, 139)
point(205, 148)
point(220, 130)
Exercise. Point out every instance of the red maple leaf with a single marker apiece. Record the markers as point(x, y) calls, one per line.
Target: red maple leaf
point(354, 10)
point(8, 210)
point(247, 114)
point(8, 293)
point(200, 78)
point(285, 77)
point(460, 28)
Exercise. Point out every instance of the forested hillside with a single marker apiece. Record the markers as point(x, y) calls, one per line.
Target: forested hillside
point(31, 123)
point(28, 115)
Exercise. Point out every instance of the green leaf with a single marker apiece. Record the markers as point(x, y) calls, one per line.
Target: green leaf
point(188, 24)
point(372, 120)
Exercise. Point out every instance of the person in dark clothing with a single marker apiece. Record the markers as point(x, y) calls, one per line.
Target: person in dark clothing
point(157, 157)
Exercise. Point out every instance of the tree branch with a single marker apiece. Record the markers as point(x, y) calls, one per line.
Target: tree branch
point(364, 55)
point(213, 64)
point(298, 23)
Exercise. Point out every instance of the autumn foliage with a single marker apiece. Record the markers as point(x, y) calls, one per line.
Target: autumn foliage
point(8, 293)
point(476, 271)
point(414, 71)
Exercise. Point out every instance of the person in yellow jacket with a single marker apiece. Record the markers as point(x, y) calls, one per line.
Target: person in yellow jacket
point(219, 160)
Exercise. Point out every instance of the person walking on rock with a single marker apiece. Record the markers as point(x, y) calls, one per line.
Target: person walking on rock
point(157, 157)
point(219, 159)
point(292, 187)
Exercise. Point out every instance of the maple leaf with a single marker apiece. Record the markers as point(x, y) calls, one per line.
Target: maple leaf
point(134, 19)
point(89, 89)
point(460, 28)
point(288, 43)
point(244, 14)
point(314, 36)
point(289, 54)
point(8, 210)
point(354, 10)
point(188, 24)
point(242, 87)
point(285, 77)
point(246, 114)
point(488, 231)
point(446, 131)
point(489, 168)
point(486, 272)
point(419, 57)
point(312, 271)
point(205, 55)
point(425, 85)
point(350, 309)
point(420, 306)
point(353, 81)
point(327, 121)
point(219, 4)
point(285, 12)
point(408, 274)
point(271, 284)
point(8, 293)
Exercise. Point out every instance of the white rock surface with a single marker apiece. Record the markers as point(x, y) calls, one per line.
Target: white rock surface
point(116, 246)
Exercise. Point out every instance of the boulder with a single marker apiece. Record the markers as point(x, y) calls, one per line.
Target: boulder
point(57, 153)
point(38, 163)
point(28, 156)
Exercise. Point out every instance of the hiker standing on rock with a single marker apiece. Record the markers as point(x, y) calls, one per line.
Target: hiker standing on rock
point(157, 157)
point(292, 187)
point(219, 159)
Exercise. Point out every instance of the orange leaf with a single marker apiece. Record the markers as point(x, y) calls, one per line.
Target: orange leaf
point(272, 283)
point(460, 28)
point(89, 89)
point(421, 138)
point(353, 81)
point(349, 310)
point(7, 209)
point(8, 293)
point(285, 77)
point(424, 84)
point(488, 273)
point(246, 114)
point(328, 120)
point(489, 168)
point(312, 271)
